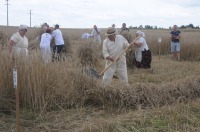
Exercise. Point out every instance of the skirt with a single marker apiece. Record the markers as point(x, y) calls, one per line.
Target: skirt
point(146, 60)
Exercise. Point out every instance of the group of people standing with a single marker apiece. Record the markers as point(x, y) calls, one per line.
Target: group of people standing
point(45, 43)
point(18, 42)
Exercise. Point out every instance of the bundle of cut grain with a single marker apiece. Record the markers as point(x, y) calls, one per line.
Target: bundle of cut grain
point(89, 54)
point(3, 41)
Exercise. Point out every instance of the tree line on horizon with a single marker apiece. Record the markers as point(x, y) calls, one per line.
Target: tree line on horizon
point(191, 26)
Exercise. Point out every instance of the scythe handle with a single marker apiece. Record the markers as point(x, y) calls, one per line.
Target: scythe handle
point(117, 57)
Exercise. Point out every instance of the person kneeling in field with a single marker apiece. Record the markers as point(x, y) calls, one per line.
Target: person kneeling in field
point(142, 52)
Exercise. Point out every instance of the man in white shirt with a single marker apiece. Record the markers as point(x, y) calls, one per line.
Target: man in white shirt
point(96, 34)
point(113, 46)
point(59, 41)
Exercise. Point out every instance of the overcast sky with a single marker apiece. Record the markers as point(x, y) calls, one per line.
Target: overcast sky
point(103, 13)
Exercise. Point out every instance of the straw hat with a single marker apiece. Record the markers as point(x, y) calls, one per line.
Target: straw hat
point(110, 31)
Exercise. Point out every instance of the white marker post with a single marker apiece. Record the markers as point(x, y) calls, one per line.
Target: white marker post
point(17, 98)
point(159, 44)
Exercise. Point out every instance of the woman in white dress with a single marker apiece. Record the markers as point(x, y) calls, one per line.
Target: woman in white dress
point(142, 52)
point(18, 43)
point(45, 45)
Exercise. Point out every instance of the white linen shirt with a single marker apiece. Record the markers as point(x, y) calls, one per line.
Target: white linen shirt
point(21, 43)
point(58, 37)
point(115, 48)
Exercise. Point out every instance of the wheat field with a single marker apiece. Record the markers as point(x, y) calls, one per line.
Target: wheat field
point(58, 96)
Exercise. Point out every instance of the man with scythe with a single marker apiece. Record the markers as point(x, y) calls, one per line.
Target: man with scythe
point(114, 47)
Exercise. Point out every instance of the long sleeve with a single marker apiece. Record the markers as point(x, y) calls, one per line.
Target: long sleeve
point(92, 33)
point(105, 50)
point(126, 44)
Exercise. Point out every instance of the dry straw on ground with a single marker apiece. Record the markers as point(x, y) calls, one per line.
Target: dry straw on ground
point(63, 85)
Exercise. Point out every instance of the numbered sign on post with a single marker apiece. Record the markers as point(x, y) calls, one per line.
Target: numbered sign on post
point(15, 77)
point(159, 40)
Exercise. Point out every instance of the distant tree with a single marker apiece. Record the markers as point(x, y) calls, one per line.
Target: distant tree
point(155, 27)
point(140, 27)
point(148, 27)
point(131, 27)
point(183, 27)
point(191, 25)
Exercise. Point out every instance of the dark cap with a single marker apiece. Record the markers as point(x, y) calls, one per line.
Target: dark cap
point(56, 26)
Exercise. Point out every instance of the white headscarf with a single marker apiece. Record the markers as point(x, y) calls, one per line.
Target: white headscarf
point(140, 33)
point(21, 27)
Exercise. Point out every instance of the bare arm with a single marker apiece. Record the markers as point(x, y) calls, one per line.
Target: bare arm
point(133, 43)
point(178, 37)
point(138, 44)
point(10, 45)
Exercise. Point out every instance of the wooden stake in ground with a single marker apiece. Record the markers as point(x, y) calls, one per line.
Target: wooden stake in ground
point(17, 98)
point(159, 45)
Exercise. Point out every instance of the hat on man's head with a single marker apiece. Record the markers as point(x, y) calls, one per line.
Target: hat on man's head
point(110, 31)
point(22, 27)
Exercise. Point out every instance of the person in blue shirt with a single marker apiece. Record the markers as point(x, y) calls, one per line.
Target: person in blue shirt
point(175, 43)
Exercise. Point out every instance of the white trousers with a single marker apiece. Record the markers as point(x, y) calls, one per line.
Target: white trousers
point(46, 53)
point(119, 68)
